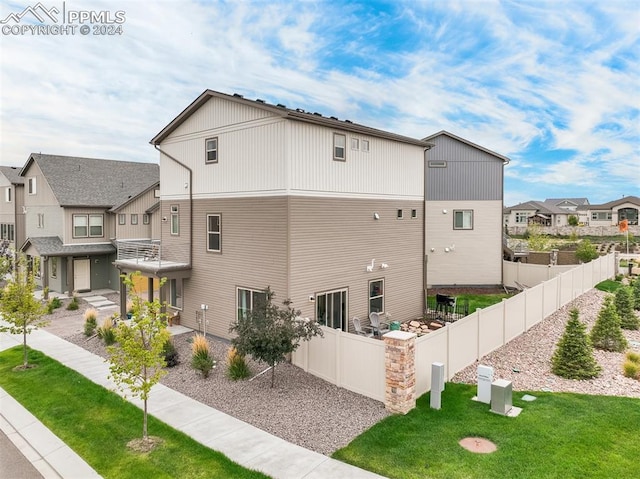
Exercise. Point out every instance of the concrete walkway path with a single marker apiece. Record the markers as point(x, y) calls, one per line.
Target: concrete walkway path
point(245, 444)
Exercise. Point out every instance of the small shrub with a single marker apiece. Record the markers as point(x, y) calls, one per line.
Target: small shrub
point(636, 293)
point(237, 367)
point(619, 277)
point(90, 321)
point(633, 357)
point(56, 302)
point(631, 369)
point(586, 251)
point(106, 332)
point(201, 358)
point(73, 305)
point(170, 354)
point(573, 358)
point(607, 333)
point(50, 307)
point(572, 220)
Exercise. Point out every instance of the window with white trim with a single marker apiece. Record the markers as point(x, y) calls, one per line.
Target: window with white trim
point(8, 196)
point(32, 186)
point(175, 293)
point(213, 232)
point(355, 144)
point(331, 309)
point(601, 215)
point(522, 217)
point(211, 150)
point(7, 231)
point(248, 300)
point(88, 226)
point(463, 219)
point(339, 147)
point(134, 218)
point(122, 219)
point(175, 220)
point(414, 213)
point(376, 296)
point(40, 220)
point(365, 146)
point(146, 219)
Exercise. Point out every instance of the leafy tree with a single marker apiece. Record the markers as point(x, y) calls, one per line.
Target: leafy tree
point(137, 360)
point(572, 220)
point(269, 333)
point(624, 307)
point(586, 251)
point(537, 240)
point(606, 333)
point(573, 357)
point(19, 307)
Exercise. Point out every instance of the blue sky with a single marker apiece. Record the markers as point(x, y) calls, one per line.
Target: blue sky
point(554, 86)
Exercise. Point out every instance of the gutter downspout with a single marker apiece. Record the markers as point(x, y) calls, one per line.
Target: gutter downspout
point(190, 198)
point(425, 260)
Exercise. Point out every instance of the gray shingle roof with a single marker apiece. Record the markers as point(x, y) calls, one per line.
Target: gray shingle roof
point(13, 174)
point(625, 199)
point(94, 182)
point(52, 246)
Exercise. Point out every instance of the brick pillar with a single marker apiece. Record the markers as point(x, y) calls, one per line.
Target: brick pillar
point(400, 383)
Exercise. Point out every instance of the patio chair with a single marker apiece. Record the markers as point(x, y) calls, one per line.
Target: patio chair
point(378, 326)
point(362, 330)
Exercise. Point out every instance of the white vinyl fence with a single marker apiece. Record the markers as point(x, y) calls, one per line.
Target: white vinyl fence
point(357, 363)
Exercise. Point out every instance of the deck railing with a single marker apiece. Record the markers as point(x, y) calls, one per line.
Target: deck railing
point(139, 251)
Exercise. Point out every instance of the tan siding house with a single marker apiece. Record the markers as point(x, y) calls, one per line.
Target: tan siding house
point(326, 212)
point(68, 222)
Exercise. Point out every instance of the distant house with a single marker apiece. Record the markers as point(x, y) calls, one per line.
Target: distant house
point(72, 207)
point(326, 212)
point(11, 213)
point(463, 211)
point(550, 212)
point(612, 212)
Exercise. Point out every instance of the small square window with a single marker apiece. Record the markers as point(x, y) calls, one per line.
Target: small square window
point(212, 150)
point(365, 145)
point(355, 144)
point(339, 147)
point(134, 219)
point(414, 213)
point(463, 220)
point(122, 219)
point(399, 214)
point(145, 219)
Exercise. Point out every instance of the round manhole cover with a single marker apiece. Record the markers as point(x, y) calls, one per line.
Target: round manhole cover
point(478, 445)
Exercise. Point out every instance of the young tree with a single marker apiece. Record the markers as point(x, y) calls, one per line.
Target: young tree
point(572, 220)
point(573, 358)
point(137, 358)
point(269, 333)
point(537, 240)
point(624, 306)
point(606, 333)
point(19, 307)
point(636, 293)
point(586, 251)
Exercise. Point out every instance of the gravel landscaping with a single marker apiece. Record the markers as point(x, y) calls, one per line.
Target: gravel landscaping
point(312, 413)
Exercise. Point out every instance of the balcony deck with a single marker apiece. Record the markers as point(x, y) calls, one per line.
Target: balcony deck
point(146, 257)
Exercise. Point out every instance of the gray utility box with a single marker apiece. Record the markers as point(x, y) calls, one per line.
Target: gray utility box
point(501, 396)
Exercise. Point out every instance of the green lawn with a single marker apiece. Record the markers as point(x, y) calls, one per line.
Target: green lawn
point(97, 424)
point(608, 285)
point(476, 301)
point(559, 435)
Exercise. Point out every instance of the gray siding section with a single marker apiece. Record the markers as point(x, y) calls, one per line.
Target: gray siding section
point(470, 174)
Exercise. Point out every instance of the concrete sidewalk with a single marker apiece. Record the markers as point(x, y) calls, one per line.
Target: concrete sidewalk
point(241, 442)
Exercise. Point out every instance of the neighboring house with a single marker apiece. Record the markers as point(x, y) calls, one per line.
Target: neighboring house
point(11, 203)
point(326, 212)
point(71, 209)
point(463, 210)
point(550, 212)
point(611, 213)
